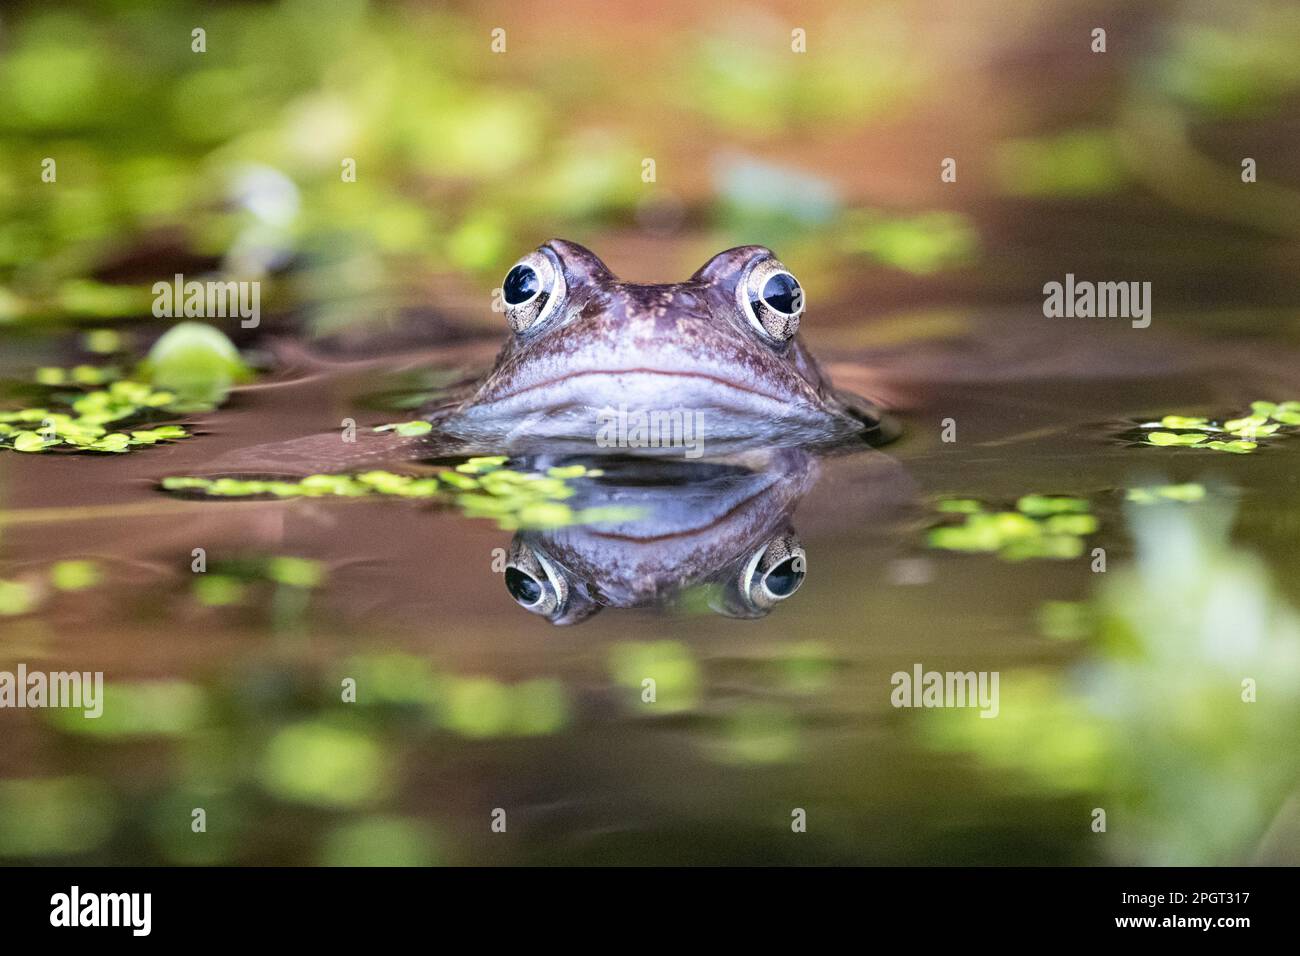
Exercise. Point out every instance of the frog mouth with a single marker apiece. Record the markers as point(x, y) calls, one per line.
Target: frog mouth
point(692, 408)
point(656, 372)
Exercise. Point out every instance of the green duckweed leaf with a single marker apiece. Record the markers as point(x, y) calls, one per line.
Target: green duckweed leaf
point(1173, 438)
point(1188, 492)
point(16, 597)
point(1182, 423)
point(1039, 505)
point(29, 442)
point(1234, 447)
point(296, 572)
point(407, 429)
point(75, 575)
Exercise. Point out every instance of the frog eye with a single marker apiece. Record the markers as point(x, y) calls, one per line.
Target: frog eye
point(771, 299)
point(531, 291)
point(774, 573)
point(760, 581)
point(534, 583)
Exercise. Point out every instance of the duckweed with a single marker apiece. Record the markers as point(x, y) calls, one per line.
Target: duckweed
point(408, 429)
point(22, 597)
point(75, 575)
point(1041, 526)
point(1234, 447)
point(190, 368)
point(1188, 492)
point(1240, 436)
point(678, 682)
point(78, 375)
point(1041, 505)
point(1066, 620)
point(16, 597)
point(318, 763)
point(54, 816)
point(1174, 438)
point(136, 709)
point(295, 572)
point(102, 341)
point(218, 590)
point(381, 841)
point(198, 363)
point(80, 420)
point(480, 487)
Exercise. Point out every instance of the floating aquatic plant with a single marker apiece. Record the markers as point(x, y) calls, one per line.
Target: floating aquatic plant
point(77, 375)
point(475, 706)
point(16, 597)
point(1237, 436)
point(228, 583)
point(1041, 526)
point(1186, 493)
point(481, 487)
point(22, 596)
point(408, 429)
point(103, 341)
point(197, 363)
point(139, 709)
point(75, 575)
point(190, 368)
point(1066, 620)
point(80, 421)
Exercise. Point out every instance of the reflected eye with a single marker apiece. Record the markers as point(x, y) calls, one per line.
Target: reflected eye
point(775, 573)
point(784, 579)
point(535, 583)
point(531, 291)
point(524, 588)
point(772, 300)
point(762, 579)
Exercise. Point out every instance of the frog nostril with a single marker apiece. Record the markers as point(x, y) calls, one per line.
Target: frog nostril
point(521, 285)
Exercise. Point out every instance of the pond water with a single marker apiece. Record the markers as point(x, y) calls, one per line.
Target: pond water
point(1118, 689)
point(314, 650)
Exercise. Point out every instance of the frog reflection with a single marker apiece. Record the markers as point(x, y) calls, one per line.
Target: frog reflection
point(721, 526)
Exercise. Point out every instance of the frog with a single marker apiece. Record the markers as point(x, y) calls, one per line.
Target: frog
point(710, 367)
point(714, 364)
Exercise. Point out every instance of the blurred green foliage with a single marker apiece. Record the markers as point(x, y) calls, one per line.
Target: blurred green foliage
point(1159, 726)
point(239, 159)
point(1041, 526)
point(54, 816)
point(165, 708)
point(1073, 164)
point(1235, 66)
